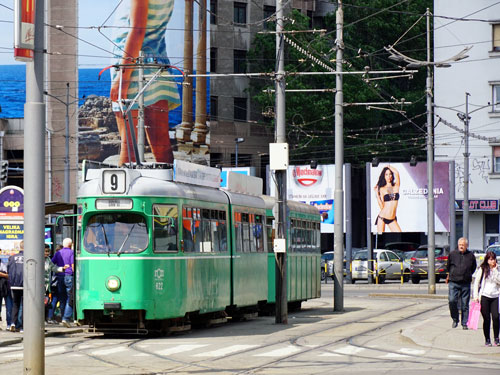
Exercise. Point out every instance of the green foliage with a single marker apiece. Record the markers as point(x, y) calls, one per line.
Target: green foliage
point(310, 116)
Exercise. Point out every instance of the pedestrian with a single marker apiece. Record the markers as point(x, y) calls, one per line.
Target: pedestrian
point(5, 293)
point(64, 257)
point(461, 265)
point(486, 291)
point(49, 269)
point(15, 272)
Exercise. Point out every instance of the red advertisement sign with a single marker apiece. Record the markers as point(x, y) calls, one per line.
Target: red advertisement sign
point(24, 30)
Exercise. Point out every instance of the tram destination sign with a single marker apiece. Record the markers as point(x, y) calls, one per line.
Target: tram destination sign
point(477, 204)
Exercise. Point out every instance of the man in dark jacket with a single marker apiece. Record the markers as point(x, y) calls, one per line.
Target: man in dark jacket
point(461, 265)
point(15, 271)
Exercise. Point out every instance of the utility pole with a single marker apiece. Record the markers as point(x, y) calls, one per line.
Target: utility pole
point(431, 245)
point(34, 204)
point(412, 63)
point(281, 259)
point(466, 170)
point(338, 281)
point(140, 123)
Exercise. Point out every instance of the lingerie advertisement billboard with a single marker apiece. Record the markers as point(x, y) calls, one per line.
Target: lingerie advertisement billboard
point(399, 197)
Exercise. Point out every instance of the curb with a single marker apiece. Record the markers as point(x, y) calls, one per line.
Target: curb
point(19, 340)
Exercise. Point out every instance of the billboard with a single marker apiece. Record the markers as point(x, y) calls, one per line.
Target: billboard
point(399, 197)
point(315, 187)
point(106, 114)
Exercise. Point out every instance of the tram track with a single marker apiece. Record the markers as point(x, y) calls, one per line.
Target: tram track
point(372, 322)
point(291, 341)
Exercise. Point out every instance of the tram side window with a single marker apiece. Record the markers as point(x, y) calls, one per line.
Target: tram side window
point(206, 240)
point(269, 234)
point(238, 231)
point(222, 230)
point(246, 233)
point(188, 229)
point(258, 233)
point(165, 227)
point(197, 231)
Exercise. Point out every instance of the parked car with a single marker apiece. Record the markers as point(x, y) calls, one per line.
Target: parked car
point(495, 249)
point(326, 258)
point(479, 254)
point(419, 263)
point(388, 266)
point(403, 246)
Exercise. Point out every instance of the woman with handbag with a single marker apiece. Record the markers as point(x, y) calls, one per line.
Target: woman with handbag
point(487, 291)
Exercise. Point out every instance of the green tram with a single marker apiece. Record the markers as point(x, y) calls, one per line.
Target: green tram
point(156, 254)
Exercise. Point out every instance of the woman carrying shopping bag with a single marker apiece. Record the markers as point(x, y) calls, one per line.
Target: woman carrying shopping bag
point(487, 290)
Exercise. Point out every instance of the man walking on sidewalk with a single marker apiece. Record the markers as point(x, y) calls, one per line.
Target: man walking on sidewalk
point(65, 258)
point(461, 265)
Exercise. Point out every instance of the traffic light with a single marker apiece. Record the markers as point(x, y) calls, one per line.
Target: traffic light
point(4, 170)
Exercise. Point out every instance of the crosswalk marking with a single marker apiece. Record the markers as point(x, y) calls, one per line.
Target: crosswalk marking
point(180, 349)
point(349, 350)
point(394, 355)
point(456, 356)
point(412, 351)
point(10, 348)
point(109, 351)
point(290, 349)
point(55, 350)
point(142, 355)
point(329, 354)
point(225, 351)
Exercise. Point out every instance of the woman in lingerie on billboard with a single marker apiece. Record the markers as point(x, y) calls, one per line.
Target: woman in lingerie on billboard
point(141, 26)
point(387, 192)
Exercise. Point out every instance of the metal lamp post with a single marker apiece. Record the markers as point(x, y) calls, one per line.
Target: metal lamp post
point(428, 63)
point(237, 141)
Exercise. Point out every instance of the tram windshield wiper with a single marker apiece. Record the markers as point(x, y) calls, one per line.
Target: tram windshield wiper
point(105, 239)
point(125, 240)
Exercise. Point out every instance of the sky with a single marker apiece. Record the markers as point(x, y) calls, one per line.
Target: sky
point(91, 13)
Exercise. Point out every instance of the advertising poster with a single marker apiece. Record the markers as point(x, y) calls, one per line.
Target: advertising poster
point(399, 197)
point(112, 91)
point(315, 187)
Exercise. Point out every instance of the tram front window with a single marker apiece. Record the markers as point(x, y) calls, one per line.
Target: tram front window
point(116, 233)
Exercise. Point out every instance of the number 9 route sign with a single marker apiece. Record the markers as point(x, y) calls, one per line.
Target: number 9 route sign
point(114, 181)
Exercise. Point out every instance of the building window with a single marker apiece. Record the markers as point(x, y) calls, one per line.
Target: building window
point(496, 159)
point(213, 60)
point(240, 57)
point(240, 13)
point(496, 98)
point(213, 107)
point(240, 109)
point(496, 37)
point(269, 11)
point(213, 12)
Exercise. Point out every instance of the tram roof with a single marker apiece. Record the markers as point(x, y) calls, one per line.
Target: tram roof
point(147, 185)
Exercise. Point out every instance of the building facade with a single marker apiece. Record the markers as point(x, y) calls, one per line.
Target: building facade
point(233, 25)
point(470, 86)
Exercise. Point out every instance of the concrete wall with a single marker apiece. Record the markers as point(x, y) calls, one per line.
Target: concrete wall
point(62, 68)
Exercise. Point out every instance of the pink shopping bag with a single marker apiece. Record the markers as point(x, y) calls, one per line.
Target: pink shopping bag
point(474, 312)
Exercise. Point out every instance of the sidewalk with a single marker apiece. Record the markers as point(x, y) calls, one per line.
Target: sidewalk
point(12, 338)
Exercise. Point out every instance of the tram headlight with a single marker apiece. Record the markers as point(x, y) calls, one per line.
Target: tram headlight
point(113, 283)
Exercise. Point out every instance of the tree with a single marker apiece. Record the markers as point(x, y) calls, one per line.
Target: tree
point(387, 134)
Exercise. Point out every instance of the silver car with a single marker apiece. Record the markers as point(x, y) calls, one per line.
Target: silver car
point(388, 266)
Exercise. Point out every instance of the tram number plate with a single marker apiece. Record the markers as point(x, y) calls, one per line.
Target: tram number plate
point(113, 182)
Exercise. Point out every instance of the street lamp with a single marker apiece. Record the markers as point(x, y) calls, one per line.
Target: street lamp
point(237, 141)
point(413, 63)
